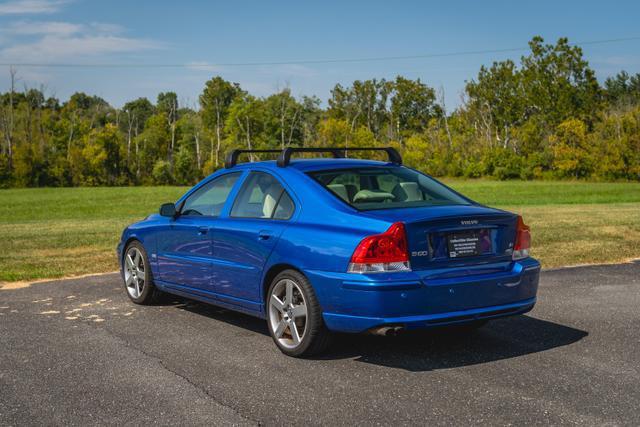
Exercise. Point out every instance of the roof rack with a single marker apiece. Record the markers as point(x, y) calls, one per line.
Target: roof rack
point(285, 155)
point(232, 156)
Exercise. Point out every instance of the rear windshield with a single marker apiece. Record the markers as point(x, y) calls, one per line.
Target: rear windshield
point(372, 188)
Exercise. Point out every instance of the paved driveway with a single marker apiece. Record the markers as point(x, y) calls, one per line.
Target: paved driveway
point(77, 352)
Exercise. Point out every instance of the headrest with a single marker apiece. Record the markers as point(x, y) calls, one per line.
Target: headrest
point(271, 197)
point(340, 190)
point(407, 192)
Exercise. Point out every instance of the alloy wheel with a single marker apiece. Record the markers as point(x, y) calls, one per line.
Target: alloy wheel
point(288, 313)
point(134, 272)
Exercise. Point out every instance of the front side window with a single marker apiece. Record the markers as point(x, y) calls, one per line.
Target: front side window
point(209, 199)
point(262, 196)
point(372, 188)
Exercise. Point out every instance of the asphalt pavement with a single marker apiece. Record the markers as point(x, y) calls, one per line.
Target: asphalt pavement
point(78, 352)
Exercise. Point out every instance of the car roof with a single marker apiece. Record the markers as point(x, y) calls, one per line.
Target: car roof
point(308, 165)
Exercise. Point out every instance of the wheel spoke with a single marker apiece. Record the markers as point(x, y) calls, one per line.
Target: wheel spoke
point(288, 299)
point(138, 287)
point(137, 259)
point(275, 301)
point(129, 279)
point(299, 311)
point(129, 261)
point(280, 329)
point(294, 333)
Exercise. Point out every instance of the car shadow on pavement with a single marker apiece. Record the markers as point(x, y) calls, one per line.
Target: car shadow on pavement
point(425, 350)
point(234, 318)
point(452, 347)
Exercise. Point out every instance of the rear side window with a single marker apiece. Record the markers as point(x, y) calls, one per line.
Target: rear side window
point(262, 196)
point(209, 199)
point(372, 188)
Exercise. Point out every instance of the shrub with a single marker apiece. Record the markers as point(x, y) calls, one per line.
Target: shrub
point(162, 173)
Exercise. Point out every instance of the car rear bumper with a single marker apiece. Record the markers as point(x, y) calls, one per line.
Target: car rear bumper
point(346, 323)
point(420, 299)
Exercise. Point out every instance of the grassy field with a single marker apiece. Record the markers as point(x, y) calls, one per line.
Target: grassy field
point(56, 232)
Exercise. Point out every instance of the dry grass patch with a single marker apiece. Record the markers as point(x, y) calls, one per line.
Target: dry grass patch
point(583, 234)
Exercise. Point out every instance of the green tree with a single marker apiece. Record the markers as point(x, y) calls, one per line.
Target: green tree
point(168, 106)
point(572, 156)
point(283, 117)
point(334, 132)
point(162, 173)
point(623, 89)
point(558, 82)
point(497, 101)
point(365, 103)
point(189, 159)
point(245, 123)
point(154, 143)
point(135, 115)
point(29, 166)
point(215, 102)
point(554, 83)
point(413, 104)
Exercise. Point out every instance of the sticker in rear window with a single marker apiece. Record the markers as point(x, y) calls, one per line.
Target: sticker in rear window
point(464, 244)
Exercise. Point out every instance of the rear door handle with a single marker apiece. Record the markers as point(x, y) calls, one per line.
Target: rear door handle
point(203, 230)
point(264, 234)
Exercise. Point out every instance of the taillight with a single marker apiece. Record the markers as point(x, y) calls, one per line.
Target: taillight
point(382, 252)
point(523, 240)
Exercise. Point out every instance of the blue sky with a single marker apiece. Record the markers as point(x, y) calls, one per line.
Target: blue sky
point(201, 34)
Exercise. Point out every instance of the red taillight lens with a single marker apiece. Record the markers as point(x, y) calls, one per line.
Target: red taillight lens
point(523, 240)
point(382, 252)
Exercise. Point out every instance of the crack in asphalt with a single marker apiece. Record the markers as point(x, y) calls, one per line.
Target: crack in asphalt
point(161, 363)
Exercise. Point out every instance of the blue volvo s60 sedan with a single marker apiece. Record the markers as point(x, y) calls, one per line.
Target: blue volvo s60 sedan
point(333, 244)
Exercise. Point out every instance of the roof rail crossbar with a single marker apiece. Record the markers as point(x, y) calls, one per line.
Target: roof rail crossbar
point(285, 156)
point(232, 157)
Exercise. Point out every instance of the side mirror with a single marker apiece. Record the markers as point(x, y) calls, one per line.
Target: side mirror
point(168, 210)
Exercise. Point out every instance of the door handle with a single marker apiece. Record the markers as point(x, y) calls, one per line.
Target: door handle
point(202, 231)
point(264, 234)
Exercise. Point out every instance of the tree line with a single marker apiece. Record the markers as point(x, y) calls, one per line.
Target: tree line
point(546, 117)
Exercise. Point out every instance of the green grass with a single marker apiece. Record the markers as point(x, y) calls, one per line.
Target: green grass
point(531, 193)
point(57, 232)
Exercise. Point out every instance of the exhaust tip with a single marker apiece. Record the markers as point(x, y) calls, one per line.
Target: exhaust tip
point(386, 331)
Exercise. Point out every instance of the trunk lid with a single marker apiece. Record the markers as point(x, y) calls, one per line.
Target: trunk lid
point(442, 237)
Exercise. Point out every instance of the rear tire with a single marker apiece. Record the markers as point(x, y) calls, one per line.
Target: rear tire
point(294, 316)
point(136, 272)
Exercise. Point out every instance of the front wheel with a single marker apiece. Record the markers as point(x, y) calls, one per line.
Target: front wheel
point(294, 316)
point(137, 275)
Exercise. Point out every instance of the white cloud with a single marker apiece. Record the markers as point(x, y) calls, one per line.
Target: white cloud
point(35, 28)
point(102, 27)
point(55, 41)
point(24, 7)
point(55, 48)
point(27, 28)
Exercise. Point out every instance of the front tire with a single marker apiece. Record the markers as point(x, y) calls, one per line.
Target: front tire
point(294, 316)
point(136, 272)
